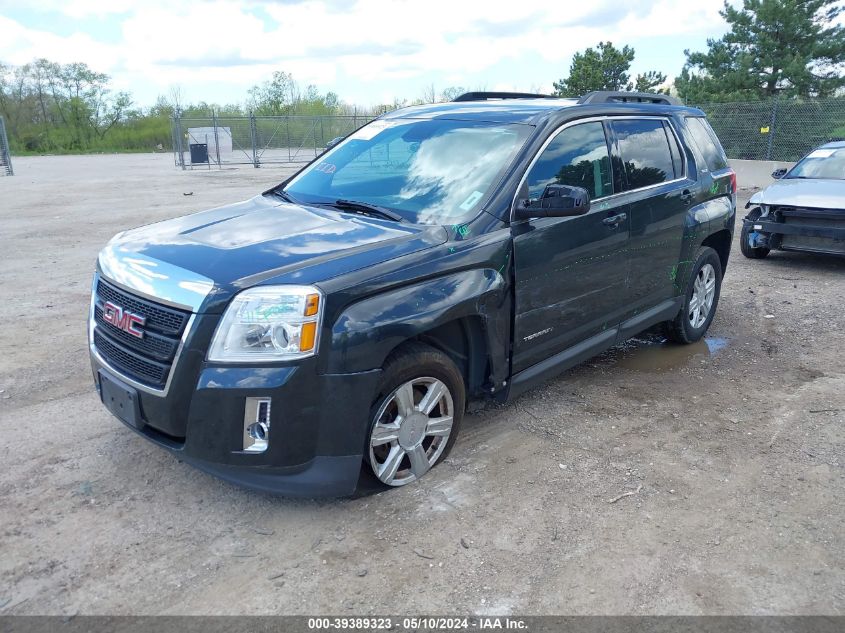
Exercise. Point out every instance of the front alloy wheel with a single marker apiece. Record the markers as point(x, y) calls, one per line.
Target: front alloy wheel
point(411, 431)
point(416, 415)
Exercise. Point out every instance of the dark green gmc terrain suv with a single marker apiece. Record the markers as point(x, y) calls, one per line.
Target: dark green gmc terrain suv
point(440, 254)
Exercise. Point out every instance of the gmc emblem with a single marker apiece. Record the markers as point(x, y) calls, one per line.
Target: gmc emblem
point(123, 319)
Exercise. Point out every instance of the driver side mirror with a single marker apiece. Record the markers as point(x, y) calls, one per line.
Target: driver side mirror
point(557, 201)
point(779, 173)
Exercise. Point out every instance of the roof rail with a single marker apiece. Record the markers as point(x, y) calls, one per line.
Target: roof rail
point(487, 96)
point(601, 96)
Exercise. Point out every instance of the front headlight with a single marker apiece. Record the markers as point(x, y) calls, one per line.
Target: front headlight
point(269, 323)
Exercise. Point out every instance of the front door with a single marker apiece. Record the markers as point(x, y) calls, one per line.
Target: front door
point(570, 273)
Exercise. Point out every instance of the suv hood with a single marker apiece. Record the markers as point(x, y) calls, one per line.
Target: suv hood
point(233, 247)
point(799, 192)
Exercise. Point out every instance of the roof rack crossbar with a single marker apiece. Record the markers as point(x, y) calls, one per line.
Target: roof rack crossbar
point(601, 96)
point(487, 96)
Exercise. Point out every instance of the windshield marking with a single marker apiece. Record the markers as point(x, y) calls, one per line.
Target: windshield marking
point(821, 153)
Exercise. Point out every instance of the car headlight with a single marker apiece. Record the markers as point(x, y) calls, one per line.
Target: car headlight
point(269, 323)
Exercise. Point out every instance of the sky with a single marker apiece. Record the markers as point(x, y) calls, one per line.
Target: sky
point(367, 51)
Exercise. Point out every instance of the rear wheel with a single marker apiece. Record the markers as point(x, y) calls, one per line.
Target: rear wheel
point(416, 415)
point(700, 299)
point(751, 252)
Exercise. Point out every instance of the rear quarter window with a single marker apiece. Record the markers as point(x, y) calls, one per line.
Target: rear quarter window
point(705, 139)
point(677, 160)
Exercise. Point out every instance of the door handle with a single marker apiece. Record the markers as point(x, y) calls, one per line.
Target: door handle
point(614, 220)
point(686, 196)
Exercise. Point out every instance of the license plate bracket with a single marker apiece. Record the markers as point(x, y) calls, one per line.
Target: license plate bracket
point(121, 400)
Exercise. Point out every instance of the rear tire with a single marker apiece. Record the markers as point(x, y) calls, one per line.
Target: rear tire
point(701, 298)
point(751, 252)
point(416, 416)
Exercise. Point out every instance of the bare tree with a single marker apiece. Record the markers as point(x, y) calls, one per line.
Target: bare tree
point(450, 93)
point(429, 94)
point(175, 98)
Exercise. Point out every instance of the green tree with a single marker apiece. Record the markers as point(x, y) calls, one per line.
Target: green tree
point(281, 95)
point(790, 47)
point(452, 92)
point(649, 81)
point(605, 68)
point(52, 107)
point(274, 96)
point(84, 102)
point(332, 100)
point(17, 101)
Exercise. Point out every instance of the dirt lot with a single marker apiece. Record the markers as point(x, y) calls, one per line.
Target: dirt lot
point(735, 446)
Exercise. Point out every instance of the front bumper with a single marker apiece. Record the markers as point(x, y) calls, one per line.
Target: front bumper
point(317, 431)
point(819, 233)
point(781, 228)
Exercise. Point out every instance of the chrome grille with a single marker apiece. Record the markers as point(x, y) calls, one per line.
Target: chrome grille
point(159, 317)
point(147, 359)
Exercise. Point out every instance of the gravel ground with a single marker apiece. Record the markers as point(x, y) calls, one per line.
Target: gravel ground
point(732, 448)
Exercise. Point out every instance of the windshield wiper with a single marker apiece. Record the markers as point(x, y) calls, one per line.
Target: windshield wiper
point(366, 208)
point(284, 195)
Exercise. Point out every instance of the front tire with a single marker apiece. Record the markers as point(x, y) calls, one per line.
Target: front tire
point(700, 299)
point(416, 416)
point(751, 252)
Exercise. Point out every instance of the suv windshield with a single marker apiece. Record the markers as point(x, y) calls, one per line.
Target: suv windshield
point(825, 162)
point(428, 171)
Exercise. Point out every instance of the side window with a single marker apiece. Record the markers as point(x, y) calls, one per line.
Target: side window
point(644, 148)
point(677, 156)
point(705, 140)
point(578, 157)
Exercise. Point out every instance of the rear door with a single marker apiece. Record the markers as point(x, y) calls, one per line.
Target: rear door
point(658, 194)
point(570, 273)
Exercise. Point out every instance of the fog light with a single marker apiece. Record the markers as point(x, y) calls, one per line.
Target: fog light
point(256, 425)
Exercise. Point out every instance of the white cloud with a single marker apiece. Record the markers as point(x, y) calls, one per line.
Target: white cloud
point(372, 42)
point(77, 8)
point(86, 8)
point(191, 33)
point(20, 45)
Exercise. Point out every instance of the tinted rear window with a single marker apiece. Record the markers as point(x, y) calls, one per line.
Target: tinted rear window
point(645, 152)
point(706, 141)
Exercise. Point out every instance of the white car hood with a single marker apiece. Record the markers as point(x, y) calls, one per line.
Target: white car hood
point(800, 192)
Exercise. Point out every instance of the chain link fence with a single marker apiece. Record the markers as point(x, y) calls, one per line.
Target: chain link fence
point(255, 140)
point(778, 129)
point(5, 158)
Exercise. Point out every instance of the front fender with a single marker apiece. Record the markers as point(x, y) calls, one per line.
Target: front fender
point(367, 331)
point(755, 200)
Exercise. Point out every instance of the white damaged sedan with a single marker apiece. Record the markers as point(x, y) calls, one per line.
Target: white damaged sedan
point(804, 210)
